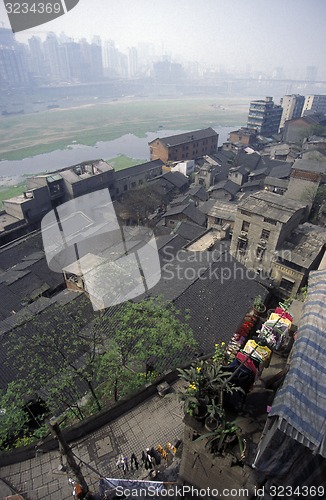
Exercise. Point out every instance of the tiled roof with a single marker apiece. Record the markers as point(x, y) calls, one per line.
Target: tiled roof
point(137, 169)
point(25, 275)
point(196, 135)
point(250, 161)
point(229, 186)
point(281, 171)
point(189, 230)
point(176, 179)
point(220, 209)
point(214, 287)
point(218, 308)
point(189, 210)
point(273, 205)
point(310, 166)
point(305, 244)
point(199, 192)
point(274, 181)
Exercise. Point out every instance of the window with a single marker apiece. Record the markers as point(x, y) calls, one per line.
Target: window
point(242, 245)
point(287, 284)
point(125, 187)
point(140, 182)
point(133, 184)
point(270, 221)
point(245, 212)
point(245, 226)
point(260, 252)
point(265, 234)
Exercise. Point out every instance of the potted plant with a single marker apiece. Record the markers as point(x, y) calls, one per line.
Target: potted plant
point(259, 306)
point(207, 382)
point(220, 440)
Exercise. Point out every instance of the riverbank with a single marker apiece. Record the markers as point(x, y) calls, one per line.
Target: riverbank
point(34, 134)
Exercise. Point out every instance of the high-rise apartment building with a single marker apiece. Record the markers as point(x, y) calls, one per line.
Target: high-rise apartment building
point(132, 61)
point(13, 61)
point(314, 104)
point(55, 61)
point(292, 106)
point(264, 116)
point(36, 59)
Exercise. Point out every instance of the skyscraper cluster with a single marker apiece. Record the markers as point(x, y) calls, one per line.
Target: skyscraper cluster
point(60, 59)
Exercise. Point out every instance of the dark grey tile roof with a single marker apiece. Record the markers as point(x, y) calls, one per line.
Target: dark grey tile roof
point(182, 199)
point(250, 161)
point(310, 165)
point(195, 135)
point(274, 181)
point(177, 179)
point(162, 186)
point(218, 301)
point(29, 247)
point(189, 230)
point(137, 169)
point(26, 274)
point(253, 184)
point(199, 192)
point(241, 169)
point(229, 186)
point(281, 171)
point(172, 246)
point(193, 213)
point(258, 171)
point(217, 290)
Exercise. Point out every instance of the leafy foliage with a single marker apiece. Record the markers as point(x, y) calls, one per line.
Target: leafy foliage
point(70, 351)
point(13, 418)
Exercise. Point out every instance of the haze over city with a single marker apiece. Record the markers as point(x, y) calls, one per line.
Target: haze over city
point(280, 38)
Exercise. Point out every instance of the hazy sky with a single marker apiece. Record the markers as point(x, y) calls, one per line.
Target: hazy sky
point(262, 33)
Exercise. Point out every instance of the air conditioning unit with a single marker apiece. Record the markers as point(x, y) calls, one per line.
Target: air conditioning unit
point(262, 241)
point(244, 233)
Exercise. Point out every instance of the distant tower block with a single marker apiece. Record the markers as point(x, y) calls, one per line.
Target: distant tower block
point(311, 73)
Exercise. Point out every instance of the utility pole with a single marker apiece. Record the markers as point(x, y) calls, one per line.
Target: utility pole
point(65, 450)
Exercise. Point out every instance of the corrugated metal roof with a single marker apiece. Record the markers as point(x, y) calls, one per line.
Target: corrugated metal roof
point(300, 403)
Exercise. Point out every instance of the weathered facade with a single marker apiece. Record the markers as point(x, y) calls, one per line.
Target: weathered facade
point(264, 221)
point(264, 116)
point(186, 146)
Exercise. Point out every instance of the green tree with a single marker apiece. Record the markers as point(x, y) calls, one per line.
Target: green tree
point(13, 417)
point(55, 353)
point(72, 350)
point(148, 331)
point(139, 203)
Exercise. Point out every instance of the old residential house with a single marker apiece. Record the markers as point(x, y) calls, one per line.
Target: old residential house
point(187, 146)
point(263, 222)
point(300, 253)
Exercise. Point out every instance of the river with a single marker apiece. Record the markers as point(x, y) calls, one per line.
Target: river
point(12, 172)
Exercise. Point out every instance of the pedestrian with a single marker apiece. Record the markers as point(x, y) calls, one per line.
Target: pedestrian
point(155, 455)
point(134, 462)
point(119, 462)
point(149, 459)
point(144, 459)
point(125, 465)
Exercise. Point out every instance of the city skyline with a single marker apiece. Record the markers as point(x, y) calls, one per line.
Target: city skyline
point(273, 38)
